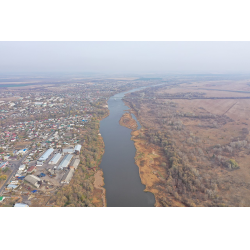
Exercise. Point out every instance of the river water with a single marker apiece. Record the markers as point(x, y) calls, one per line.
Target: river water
point(121, 174)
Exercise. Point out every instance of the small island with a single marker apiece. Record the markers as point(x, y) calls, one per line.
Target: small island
point(128, 121)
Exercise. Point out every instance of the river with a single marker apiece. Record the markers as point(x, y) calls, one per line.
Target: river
point(121, 174)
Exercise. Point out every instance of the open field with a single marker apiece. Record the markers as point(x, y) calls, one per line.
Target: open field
point(203, 144)
point(206, 92)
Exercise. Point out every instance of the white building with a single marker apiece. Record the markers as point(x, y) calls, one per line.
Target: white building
point(78, 148)
point(65, 162)
point(46, 155)
point(20, 205)
point(68, 151)
point(22, 167)
point(55, 159)
point(22, 151)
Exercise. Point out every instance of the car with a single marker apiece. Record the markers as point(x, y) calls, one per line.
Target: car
point(41, 175)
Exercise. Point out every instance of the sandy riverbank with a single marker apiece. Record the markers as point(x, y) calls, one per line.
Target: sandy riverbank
point(98, 184)
point(146, 158)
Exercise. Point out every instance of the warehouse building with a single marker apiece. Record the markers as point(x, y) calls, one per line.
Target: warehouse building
point(65, 162)
point(46, 155)
point(78, 148)
point(75, 163)
point(32, 179)
point(67, 177)
point(55, 159)
point(68, 150)
point(21, 205)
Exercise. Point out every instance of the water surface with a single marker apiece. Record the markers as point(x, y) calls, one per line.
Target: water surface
point(121, 174)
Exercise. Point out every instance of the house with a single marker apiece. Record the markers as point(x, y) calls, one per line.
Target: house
point(31, 169)
point(22, 151)
point(12, 186)
point(33, 180)
point(3, 164)
point(39, 163)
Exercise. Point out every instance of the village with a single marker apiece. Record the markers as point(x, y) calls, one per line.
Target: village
point(41, 137)
point(42, 130)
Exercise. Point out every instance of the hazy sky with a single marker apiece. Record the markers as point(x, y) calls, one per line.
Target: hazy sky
point(125, 57)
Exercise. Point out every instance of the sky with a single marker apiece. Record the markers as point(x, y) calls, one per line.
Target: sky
point(125, 57)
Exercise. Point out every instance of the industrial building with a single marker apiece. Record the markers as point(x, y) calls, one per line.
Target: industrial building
point(55, 159)
point(21, 205)
point(75, 164)
point(32, 179)
point(78, 148)
point(68, 176)
point(65, 162)
point(46, 155)
point(68, 150)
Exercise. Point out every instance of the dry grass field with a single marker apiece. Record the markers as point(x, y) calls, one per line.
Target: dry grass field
point(207, 137)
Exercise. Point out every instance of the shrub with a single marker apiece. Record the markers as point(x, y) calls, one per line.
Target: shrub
point(233, 164)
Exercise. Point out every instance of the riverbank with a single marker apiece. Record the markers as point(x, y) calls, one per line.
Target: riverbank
point(144, 157)
point(98, 184)
point(100, 191)
point(151, 163)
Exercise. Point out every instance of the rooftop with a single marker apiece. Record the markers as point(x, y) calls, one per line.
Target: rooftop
point(46, 154)
point(20, 205)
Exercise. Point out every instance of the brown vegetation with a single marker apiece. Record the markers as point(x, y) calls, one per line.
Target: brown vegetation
point(202, 147)
point(128, 121)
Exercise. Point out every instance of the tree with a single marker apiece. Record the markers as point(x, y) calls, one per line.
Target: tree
point(3, 177)
point(163, 164)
